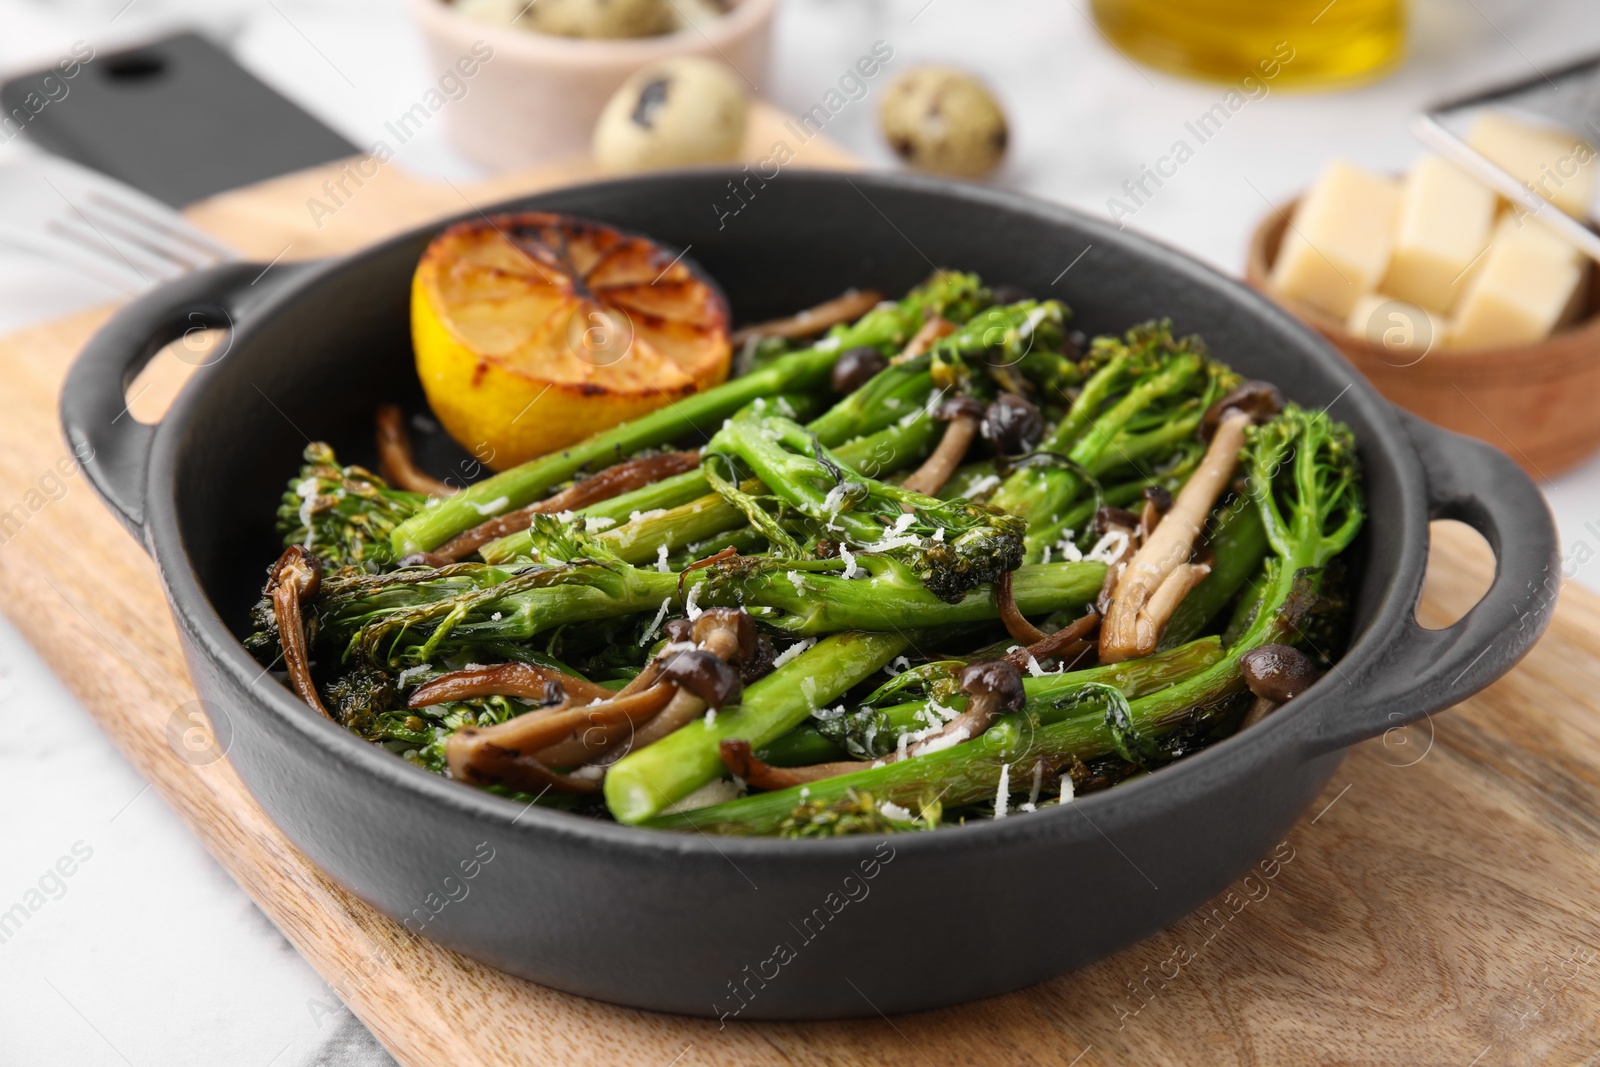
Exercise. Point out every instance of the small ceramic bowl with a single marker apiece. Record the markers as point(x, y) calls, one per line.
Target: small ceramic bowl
point(1534, 401)
point(535, 98)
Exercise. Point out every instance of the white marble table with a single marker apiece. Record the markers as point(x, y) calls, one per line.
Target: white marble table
point(147, 954)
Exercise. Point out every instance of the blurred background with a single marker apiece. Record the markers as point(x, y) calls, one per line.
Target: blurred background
point(151, 955)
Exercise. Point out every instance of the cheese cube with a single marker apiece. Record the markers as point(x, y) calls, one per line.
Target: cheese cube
point(1403, 330)
point(1558, 165)
point(1337, 245)
point(1528, 281)
point(1444, 222)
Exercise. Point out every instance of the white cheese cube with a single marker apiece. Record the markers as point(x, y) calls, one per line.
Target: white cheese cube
point(1402, 329)
point(1444, 222)
point(1558, 165)
point(1528, 281)
point(1337, 245)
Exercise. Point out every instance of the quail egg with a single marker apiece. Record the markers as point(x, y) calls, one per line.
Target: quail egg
point(943, 120)
point(600, 18)
point(676, 112)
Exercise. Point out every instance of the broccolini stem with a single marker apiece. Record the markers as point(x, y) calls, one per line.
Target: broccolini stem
point(1137, 677)
point(885, 326)
point(645, 782)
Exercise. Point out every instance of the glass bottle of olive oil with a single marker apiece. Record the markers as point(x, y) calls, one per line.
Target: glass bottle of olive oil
point(1333, 42)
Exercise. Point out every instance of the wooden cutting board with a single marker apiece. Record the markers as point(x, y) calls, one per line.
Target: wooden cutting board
point(1438, 905)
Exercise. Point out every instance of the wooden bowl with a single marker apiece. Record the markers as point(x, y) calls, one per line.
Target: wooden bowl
point(1536, 402)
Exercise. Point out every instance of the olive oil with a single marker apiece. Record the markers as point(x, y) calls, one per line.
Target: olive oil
point(1332, 43)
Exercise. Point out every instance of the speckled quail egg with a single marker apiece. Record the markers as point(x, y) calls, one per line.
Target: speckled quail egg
point(943, 120)
point(600, 18)
point(672, 113)
point(494, 12)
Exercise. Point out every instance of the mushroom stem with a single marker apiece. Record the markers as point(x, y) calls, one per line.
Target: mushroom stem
point(929, 478)
point(613, 481)
point(1017, 626)
point(993, 686)
point(395, 460)
point(1137, 614)
point(709, 561)
point(741, 762)
point(489, 764)
point(846, 307)
point(978, 715)
point(531, 735)
point(923, 339)
point(1070, 640)
point(295, 579)
point(524, 680)
point(1260, 708)
point(683, 709)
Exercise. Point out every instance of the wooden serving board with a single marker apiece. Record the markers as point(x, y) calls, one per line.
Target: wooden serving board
point(1438, 905)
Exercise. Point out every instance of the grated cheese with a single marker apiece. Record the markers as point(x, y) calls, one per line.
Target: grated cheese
point(1109, 547)
point(594, 524)
point(492, 507)
point(981, 486)
point(656, 624)
point(1066, 789)
point(797, 580)
point(891, 810)
point(661, 558)
point(944, 741)
point(691, 606)
point(1003, 793)
point(790, 653)
point(849, 562)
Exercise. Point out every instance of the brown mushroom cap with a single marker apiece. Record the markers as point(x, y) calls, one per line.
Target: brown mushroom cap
point(706, 676)
point(1260, 400)
point(1108, 518)
point(961, 406)
point(737, 622)
point(856, 367)
point(1012, 425)
point(995, 678)
point(298, 570)
point(1278, 673)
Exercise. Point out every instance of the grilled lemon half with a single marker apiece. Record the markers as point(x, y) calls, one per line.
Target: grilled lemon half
point(533, 331)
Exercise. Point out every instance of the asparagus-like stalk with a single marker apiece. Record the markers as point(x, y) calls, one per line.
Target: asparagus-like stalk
point(645, 782)
point(640, 540)
point(811, 743)
point(409, 618)
point(886, 326)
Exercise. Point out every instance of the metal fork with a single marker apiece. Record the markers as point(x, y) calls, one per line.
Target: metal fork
point(98, 226)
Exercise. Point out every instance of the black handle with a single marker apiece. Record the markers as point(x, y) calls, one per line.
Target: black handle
point(113, 446)
point(1423, 671)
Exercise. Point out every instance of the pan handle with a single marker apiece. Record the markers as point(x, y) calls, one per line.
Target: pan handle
point(112, 445)
point(1423, 671)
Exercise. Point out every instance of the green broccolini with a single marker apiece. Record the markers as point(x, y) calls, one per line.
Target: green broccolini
point(866, 606)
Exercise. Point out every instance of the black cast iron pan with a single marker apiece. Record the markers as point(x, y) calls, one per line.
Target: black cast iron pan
point(775, 928)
